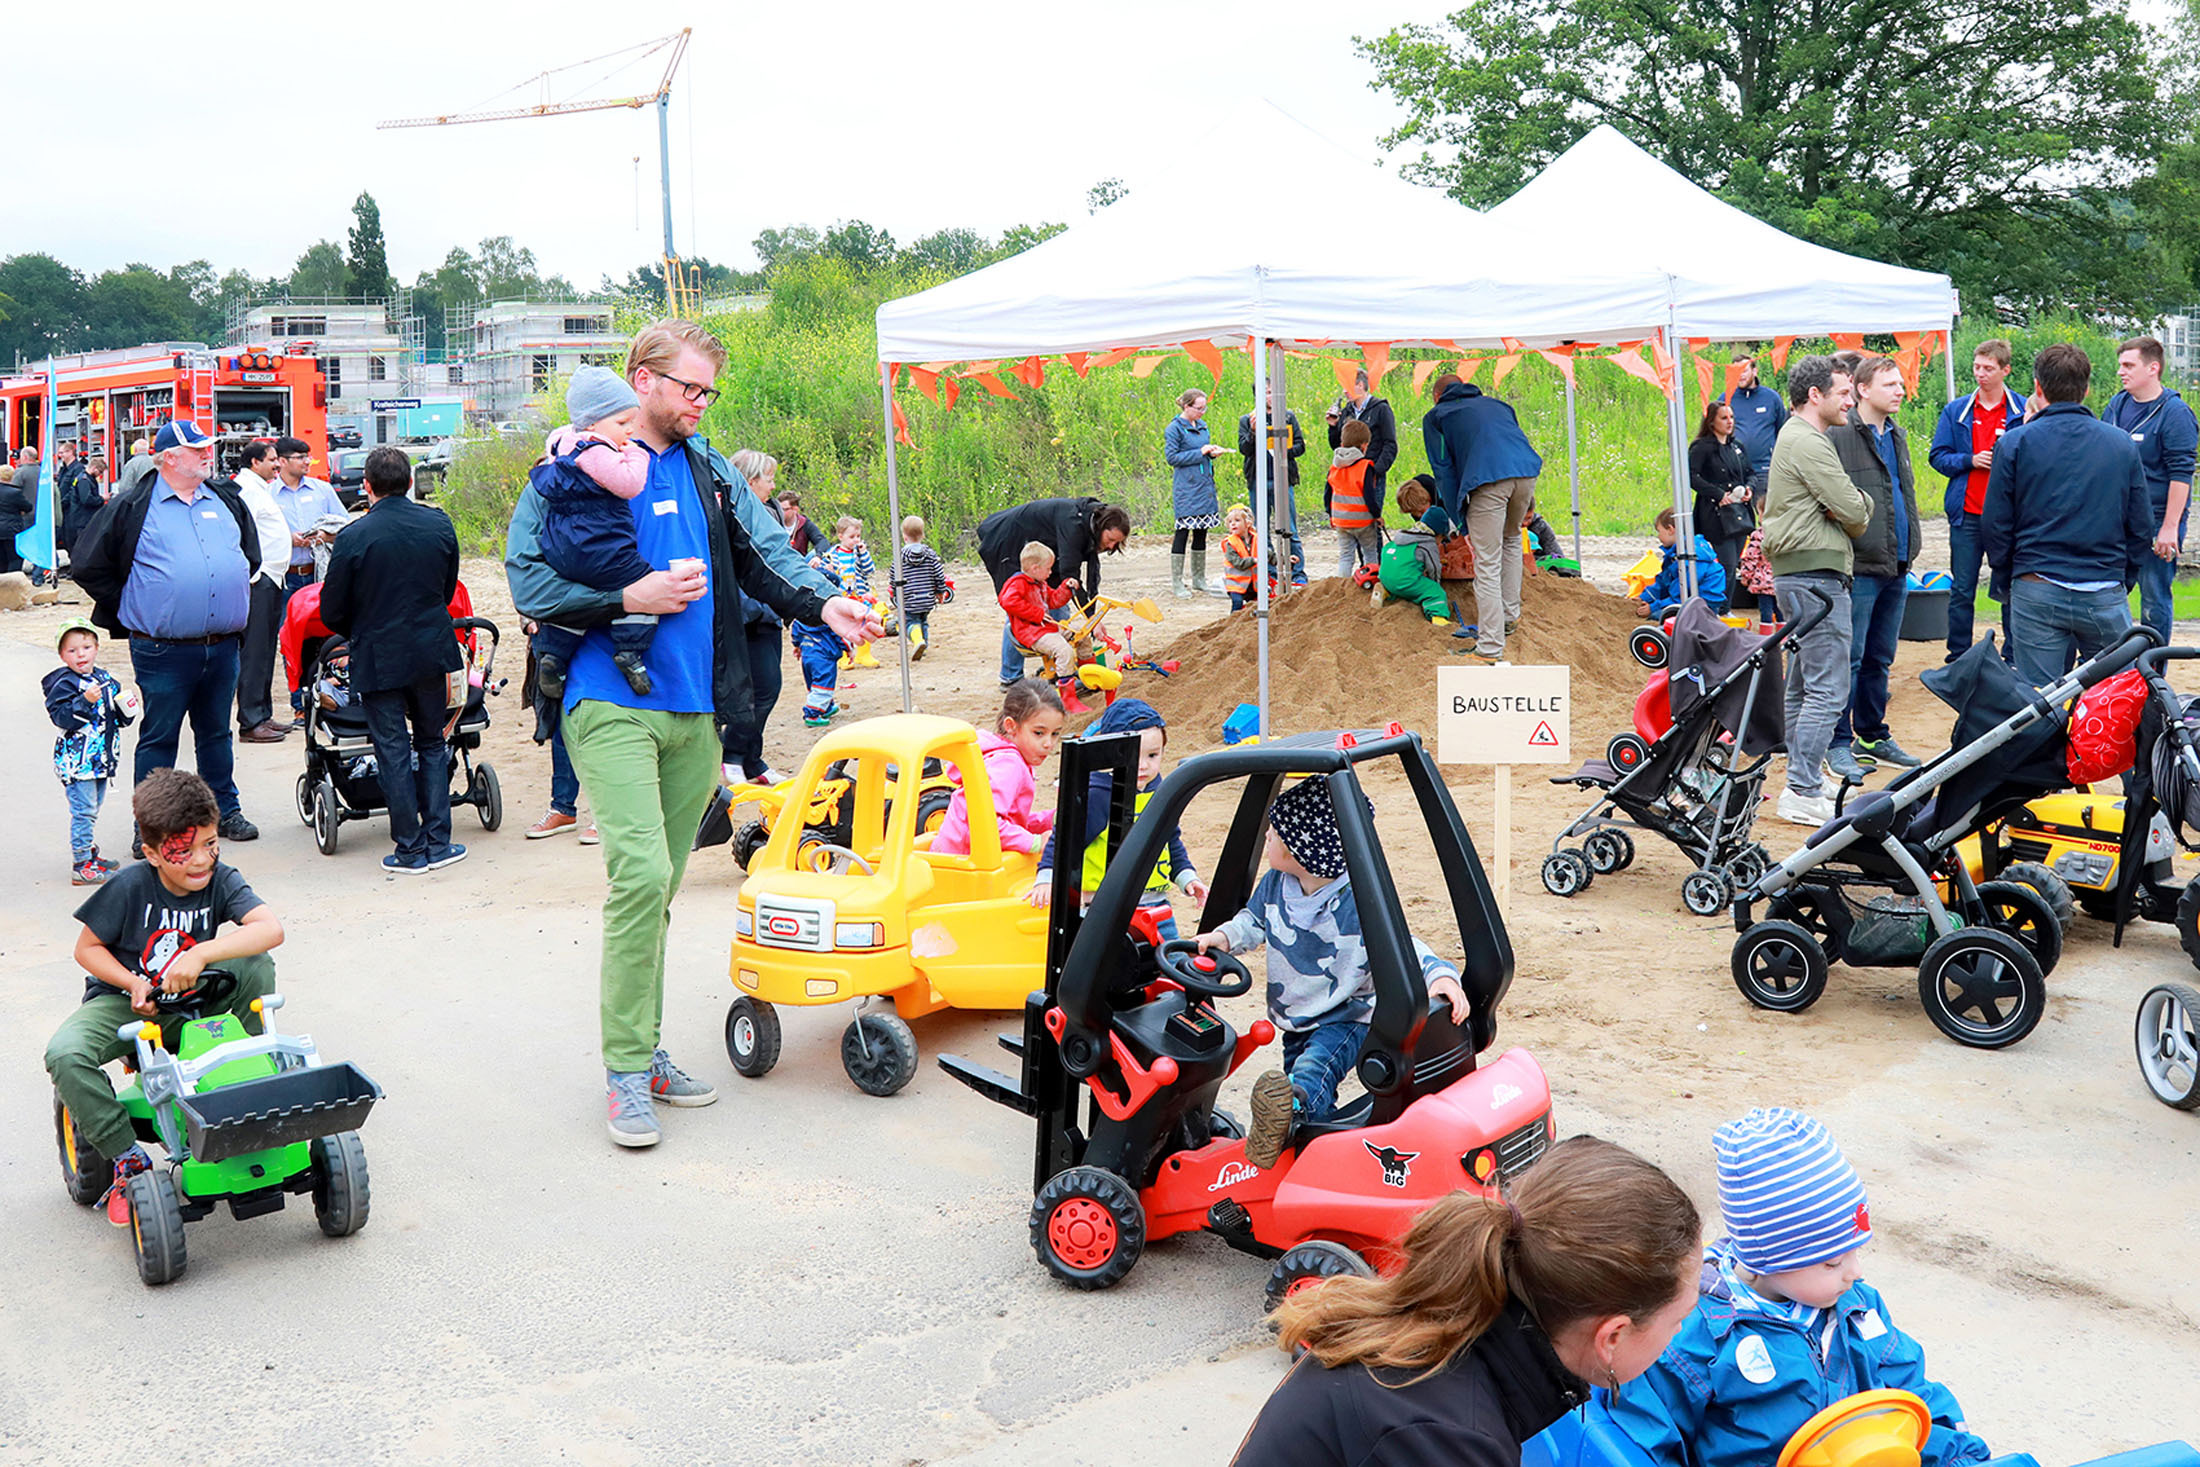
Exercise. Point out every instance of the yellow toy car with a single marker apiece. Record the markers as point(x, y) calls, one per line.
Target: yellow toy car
point(876, 914)
point(828, 813)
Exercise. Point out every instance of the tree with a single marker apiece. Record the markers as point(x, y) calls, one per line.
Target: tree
point(777, 246)
point(1020, 237)
point(139, 304)
point(1996, 142)
point(863, 246)
point(367, 271)
point(1104, 193)
point(48, 311)
point(320, 271)
point(507, 271)
point(950, 251)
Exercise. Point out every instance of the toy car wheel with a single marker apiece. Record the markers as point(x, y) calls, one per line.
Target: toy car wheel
point(1981, 987)
point(2188, 922)
point(2052, 888)
point(752, 1036)
point(1779, 966)
point(84, 1172)
point(879, 1053)
point(1607, 850)
point(156, 1226)
point(2167, 1041)
point(1088, 1227)
point(1648, 646)
point(488, 796)
point(326, 821)
point(2020, 911)
point(932, 810)
point(305, 799)
point(1706, 893)
point(340, 1193)
point(2101, 907)
point(1626, 751)
point(1561, 878)
point(1308, 1264)
point(747, 841)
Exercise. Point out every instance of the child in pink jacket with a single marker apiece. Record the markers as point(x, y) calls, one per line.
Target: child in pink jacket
point(1029, 727)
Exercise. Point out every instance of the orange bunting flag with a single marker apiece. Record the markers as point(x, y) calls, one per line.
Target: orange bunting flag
point(927, 383)
point(1734, 372)
point(1512, 344)
point(1206, 354)
point(1109, 359)
point(1144, 366)
point(901, 429)
point(1910, 340)
point(1078, 360)
point(1848, 340)
point(1030, 371)
point(1908, 362)
point(1422, 371)
point(1780, 345)
point(1504, 367)
point(1375, 357)
point(1633, 365)
point(1468, 366)
point(1561, 358)
point(1704, 369)
point(1345, 368)
point(1699, 343)
point(950, 389)
point(1929, 348)
point(995, 386)
point(1660, 356)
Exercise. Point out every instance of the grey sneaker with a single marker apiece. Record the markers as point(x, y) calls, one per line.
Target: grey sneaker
point(633, 1119)
point(1885, 751)
point(1842, 764)
point(674, 1086)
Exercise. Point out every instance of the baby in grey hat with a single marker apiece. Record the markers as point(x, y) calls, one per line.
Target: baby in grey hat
point(591, 468)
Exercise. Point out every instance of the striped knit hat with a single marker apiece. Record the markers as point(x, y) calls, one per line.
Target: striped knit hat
point(1790, 1199)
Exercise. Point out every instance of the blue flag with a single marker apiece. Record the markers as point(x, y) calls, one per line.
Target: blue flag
point(36, 544)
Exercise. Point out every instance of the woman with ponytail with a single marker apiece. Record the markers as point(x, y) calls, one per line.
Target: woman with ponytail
point(1504, 1311)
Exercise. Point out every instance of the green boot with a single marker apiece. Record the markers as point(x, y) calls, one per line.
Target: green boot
point(1176, 575)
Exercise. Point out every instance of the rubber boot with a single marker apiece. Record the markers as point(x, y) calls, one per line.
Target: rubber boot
point(1176, 576)
point(1068, 687)
point(865, 657)
point(1200, 583)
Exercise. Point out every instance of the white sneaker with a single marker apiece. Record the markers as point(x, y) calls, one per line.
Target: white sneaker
point(1810, 810)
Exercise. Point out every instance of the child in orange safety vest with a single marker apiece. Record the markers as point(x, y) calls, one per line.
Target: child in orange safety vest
point(1355, 507)
point(1240, 554)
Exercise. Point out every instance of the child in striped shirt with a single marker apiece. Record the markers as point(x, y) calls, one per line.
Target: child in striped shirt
point(850, 560)
point(922, 580)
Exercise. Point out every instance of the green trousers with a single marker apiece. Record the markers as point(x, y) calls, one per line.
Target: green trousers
point(648, 776)
point(85, 1045)
point(1404, 577)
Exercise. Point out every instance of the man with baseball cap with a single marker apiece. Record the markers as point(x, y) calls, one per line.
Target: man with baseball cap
point(169, 564)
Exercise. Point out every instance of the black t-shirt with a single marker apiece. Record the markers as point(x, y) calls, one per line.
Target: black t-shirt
point(145, 925)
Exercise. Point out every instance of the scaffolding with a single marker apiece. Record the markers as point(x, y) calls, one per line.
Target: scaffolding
point(507, 352)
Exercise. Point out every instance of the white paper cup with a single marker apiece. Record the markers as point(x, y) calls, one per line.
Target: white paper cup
point(691, 565)
point(128, 701)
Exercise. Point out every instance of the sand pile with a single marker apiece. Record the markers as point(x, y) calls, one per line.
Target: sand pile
point(1335, 661)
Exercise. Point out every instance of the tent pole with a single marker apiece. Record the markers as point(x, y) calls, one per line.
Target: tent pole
point(1261, 479)
point(1573, 465)
point(1676, 453)
point(1948, 355)
point(893, 523)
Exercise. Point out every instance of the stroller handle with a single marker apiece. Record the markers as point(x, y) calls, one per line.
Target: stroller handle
point(2152, 659)
point(476, 624)
point(2134, 646)
point(1797, 630)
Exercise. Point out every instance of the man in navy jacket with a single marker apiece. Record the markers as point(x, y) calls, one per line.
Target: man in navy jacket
point(2167, 437)
point(1758, 417)
point(1485, 472)
point(1964, 441)
point(2067, 525)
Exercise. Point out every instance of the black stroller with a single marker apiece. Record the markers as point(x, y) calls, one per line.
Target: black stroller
point(1983, 951)
point(342, 781)
point(1700, 782)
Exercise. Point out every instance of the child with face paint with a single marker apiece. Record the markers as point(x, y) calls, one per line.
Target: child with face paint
point(1174, 869)
point(90, 708)
point(153, 929)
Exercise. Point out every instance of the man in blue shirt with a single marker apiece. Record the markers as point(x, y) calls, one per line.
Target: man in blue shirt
point(2167, 437)
point(1876, 456)
point(1485, 475)
point(649, 761)
point(1758, 417)
point(304, 502)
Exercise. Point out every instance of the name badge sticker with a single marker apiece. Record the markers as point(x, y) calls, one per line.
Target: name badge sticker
point(206, 514)
point(665, 506)
point(1869, 1325)
point(2138, 437)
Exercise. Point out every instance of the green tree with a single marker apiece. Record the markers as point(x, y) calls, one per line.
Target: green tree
point(950, 251)
point(778, 246)
point(139, 304)
point(507, 271)
point(49, 307)
point(1020, 237)
point(861, 245)
point(367, 269)
point(320, 271)
point(1104, 193)
point(1996, 142)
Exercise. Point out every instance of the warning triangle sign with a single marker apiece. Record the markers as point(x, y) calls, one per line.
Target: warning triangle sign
point(1543, 737)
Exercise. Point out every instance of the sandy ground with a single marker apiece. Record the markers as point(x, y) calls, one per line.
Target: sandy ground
point(803, 1273)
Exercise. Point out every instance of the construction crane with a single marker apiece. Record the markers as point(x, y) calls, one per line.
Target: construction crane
point(680, 291)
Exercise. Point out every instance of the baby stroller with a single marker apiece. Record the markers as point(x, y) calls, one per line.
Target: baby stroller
point(1698, 782)
point(1983, 950)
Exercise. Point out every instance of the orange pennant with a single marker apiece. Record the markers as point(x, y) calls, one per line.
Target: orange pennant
point(1512, 344)
point(1908, 362)
point(927, 383)
point(1077, 361)
point(1504, 367)
point(1422, 371)
point(1109, 359)
point(1030, 371)
point(995, 386)
point(1780, 345)
point(1144, 366)
point(1910, 340)
point(901, 429)
point(1633, 365)
point(1204, 353)
point(1699, 343)
point(1375, 357)
point(1848, 340)
point(1468, 366)
point(1704, 369)
point(1345, 369)
point(1563, 359)
point(950, 389)
point(892, 369)
point(1734, 372)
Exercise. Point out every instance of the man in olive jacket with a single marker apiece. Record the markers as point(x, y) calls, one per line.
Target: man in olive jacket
point(1876, 454)
point(1812, 516)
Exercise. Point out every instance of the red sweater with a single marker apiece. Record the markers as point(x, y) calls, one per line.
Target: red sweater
point(1027, 602)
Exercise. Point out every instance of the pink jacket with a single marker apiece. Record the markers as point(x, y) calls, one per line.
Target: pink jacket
point(623, 471)
point(1013, 788)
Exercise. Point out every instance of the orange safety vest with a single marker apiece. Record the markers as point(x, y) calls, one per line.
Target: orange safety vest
point(1240, 581)
point(1348, 497)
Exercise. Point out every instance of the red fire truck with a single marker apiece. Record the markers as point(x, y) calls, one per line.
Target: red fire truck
point(105, 401)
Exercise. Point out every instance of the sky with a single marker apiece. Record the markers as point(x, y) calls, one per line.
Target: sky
point(912, 117)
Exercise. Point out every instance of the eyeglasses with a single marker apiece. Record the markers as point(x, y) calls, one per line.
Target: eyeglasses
point(693, 391)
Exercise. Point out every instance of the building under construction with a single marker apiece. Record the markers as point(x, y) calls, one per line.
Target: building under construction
point(508, 352)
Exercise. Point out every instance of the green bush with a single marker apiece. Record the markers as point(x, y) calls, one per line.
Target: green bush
point(484, 481)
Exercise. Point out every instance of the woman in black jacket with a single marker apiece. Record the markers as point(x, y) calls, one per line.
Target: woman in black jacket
point(1503, 1314)
point(1718, 470)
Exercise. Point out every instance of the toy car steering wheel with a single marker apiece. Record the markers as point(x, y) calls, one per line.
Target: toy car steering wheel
point(1210, 975)
point(1869, 1429)
point(216, 987)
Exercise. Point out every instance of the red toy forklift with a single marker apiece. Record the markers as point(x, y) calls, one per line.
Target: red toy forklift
point(1123, 1050)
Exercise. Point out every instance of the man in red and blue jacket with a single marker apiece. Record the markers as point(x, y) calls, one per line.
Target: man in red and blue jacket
point(1970, 427)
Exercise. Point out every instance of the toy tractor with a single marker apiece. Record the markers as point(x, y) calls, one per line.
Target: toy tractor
point(245, 1119)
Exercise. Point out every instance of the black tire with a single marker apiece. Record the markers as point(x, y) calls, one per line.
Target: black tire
point(1981, 988)
point(156, 1226)
point(1088, 1228)
point(1626, 751)
point(2167, 1036)
point(2101, 907)
point(2188, 922)
point(1779, 966)
point(1308, 1264)
point(1706, 893)
point(1607, 851)
point(1560, 876)
point(341, 1196)
point(747, 841)
point(488, 796)
point(1808, 907)
point(752, 1037)
point(305, 798)
point(1746, 869)
point(1647, 644)
point(84, 1172)
point(1626, 848)
point(932, 809)
point(2019, 910)
point(879, 1053)
point(2052, 888)
point(327, 822)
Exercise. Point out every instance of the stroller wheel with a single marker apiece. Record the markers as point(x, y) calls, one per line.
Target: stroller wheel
point(326, 818)
point(1566, 873)
point(1706, 893)
point(2017, 909)
point(1746, 869)
point(1608, 851)
point(2051, 887)
point(2169, 1047)
point(305, 798)
point(1649, 646)
point(1809, 908)
point(1626, 751)
point(1980, 987)
point(487, 796)
point(1779, 966)
point(2188, 922)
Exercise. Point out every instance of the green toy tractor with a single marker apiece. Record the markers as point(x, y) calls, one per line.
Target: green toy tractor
point(245, 1119)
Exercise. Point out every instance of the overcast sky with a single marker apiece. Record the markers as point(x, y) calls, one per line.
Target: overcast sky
point(912, 116)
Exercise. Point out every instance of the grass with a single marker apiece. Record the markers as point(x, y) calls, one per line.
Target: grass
point(2184, 602)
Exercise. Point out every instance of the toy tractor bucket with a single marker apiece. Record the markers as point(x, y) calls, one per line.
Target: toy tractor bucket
point(716, 826)
point(1870, 1429)
point(281, 1110)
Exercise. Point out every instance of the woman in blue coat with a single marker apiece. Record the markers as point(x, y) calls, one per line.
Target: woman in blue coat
point(1198, 509)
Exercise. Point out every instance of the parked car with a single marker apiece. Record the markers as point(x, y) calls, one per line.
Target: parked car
point(348, 477)
point(344, 438)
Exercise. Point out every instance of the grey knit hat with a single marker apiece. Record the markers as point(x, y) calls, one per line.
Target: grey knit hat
point(596, 393)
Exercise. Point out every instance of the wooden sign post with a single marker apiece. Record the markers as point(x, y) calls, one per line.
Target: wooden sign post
point(1502, 716)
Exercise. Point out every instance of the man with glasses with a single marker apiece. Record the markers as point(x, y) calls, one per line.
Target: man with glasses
point(304, 501)
point(650, 761)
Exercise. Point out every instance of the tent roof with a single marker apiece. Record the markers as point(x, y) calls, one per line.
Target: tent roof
point(1734, 277)
point(1200, 253)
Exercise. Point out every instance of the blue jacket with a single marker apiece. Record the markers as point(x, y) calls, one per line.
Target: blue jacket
point(1758, 414)
point(1474, 440)
point(1951, 450)
point(1184, 444)
point(1736, 1382)
point(2167, 437)
point(2067, 499)
point(1710, 577)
